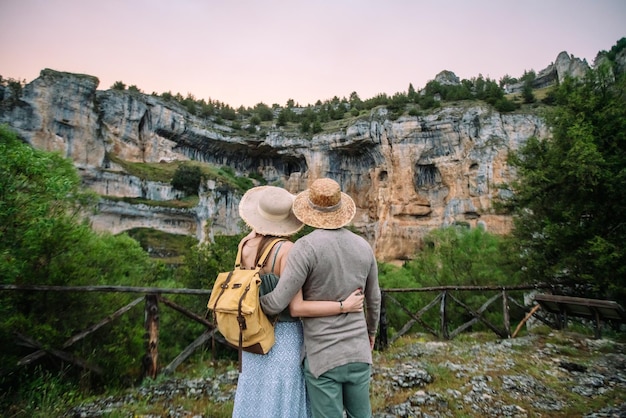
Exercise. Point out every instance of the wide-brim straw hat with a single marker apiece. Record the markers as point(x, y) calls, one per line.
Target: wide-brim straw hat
point(324, 205)
point(268, 211)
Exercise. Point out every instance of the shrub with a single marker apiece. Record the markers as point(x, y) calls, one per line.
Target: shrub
point(118, 85)
point(187, 178)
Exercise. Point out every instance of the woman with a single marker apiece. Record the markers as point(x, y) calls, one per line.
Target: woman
point(272, 385)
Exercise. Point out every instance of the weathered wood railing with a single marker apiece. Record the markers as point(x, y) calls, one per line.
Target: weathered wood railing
point(153, 296)
point(444, 296)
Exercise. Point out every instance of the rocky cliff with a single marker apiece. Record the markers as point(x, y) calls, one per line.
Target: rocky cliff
point(407, 175)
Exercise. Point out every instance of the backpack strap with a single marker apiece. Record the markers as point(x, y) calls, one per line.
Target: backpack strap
point(263, 257)
point(266, 252)
point(238, 259)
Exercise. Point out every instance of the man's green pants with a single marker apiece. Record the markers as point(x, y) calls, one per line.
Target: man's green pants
point(344, 387)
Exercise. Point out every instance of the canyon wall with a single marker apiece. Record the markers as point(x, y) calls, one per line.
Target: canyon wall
point(407, 176)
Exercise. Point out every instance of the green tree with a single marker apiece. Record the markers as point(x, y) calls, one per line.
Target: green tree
point(528, 76)
point(285, 116)
point(187, 178)
point(527, 93)
point(316, 128)
point(44, 240)
point(118, 85)
point(39, 196)
point(570, 195)
point(460, 256)
point(355, 101)
point(411, 93)
point(264, 112)
point(504, 105)
point(227, 112)
point(452, 256)
point(506, 79)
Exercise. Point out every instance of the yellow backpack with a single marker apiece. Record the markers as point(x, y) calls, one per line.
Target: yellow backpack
point(235, 304)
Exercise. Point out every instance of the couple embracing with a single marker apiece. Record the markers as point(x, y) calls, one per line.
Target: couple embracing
point(320, 365)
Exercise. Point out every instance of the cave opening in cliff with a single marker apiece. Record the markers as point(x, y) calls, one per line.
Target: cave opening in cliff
point(426, 176)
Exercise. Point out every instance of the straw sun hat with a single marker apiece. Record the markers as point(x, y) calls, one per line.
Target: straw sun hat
point(324, 205)
point(267, 210)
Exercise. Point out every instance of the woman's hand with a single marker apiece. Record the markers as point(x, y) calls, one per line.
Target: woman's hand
point(354, 302)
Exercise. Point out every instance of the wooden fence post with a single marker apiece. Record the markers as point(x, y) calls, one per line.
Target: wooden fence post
point(382, 332)
point(151, 359)
point(505, 314)
point(444, 317)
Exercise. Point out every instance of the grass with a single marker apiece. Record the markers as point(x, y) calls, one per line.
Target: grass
point(185, 203)
point(169, 248)
point(539, 94)
point(164, 172)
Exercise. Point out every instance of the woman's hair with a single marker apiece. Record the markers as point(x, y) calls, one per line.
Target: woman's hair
point(264, 242)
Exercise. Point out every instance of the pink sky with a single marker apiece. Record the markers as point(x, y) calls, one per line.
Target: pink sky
point(243, 52)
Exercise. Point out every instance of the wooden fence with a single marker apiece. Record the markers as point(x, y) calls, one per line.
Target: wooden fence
point(444, 297)
point(154, 297)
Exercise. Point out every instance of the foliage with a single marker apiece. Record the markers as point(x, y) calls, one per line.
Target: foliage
point(452, 256)
point(460, 256)
point(44, 241)
point(164, 172)
point(45, 395)
point(264, 112)
point(228, 113)
point(527, 93)
point(204, 261)
point(504, 105)
point(14, 87)
point(39, 196)
point(241, 183)
point(255, 175)
point(570, 199)
point(169, 248)
point(118, 85)
point(187, 178)
point(619, 46)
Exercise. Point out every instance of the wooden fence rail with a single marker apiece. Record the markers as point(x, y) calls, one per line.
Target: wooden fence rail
point(444, 297)
point(153, 297)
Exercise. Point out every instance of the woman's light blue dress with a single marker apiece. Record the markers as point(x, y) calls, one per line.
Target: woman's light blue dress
point(272, 385)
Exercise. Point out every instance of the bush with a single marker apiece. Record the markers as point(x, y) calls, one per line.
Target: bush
point(118, 85)
point(187, 178)
point(45, 241)
point(504, 105)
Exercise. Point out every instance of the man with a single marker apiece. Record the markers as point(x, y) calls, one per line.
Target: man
point(329, 264)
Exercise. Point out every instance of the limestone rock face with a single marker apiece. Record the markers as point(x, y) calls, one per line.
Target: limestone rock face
point(407, 176)
point(57, 112)
point(566, 65)
point(569, 65)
